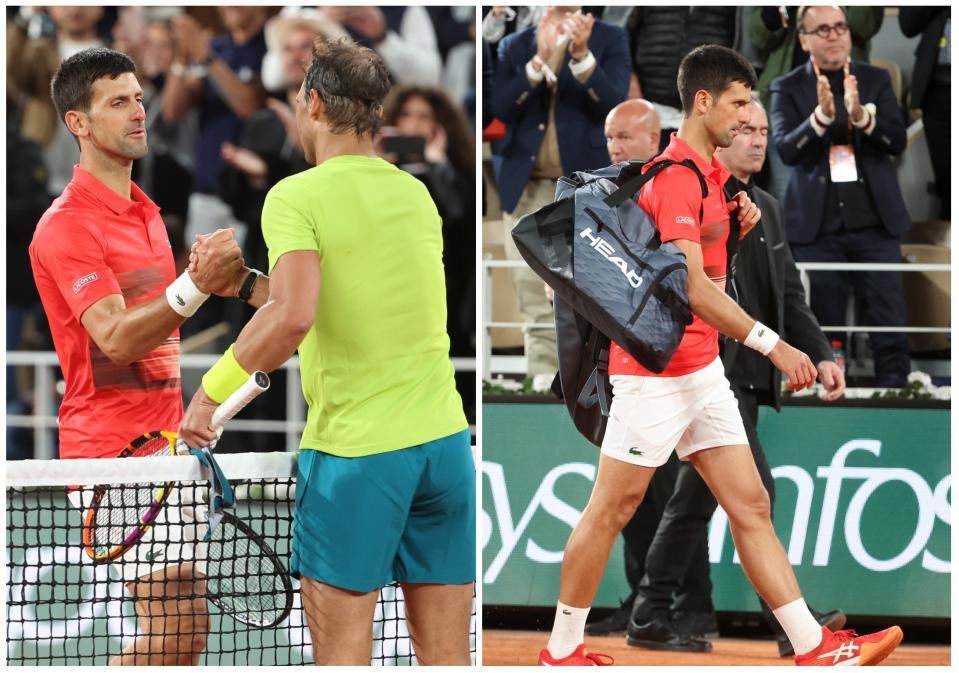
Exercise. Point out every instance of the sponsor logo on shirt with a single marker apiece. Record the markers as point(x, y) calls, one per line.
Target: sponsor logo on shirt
point(685, 219)
point(85, 280)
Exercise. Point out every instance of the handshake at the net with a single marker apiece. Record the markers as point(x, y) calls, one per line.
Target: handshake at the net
point(216, 263)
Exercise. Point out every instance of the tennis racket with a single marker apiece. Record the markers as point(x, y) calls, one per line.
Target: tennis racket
point(245, 579)
point(119, 515)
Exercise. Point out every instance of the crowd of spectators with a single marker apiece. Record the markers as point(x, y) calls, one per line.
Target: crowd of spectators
point(554, 73)
point(219, 85)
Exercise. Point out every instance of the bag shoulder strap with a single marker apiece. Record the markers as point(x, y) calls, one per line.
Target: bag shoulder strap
point(732, 244)
point(629, 188)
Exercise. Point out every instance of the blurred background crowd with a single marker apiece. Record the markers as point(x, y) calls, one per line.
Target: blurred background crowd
point(219, 84)
point(555, 80)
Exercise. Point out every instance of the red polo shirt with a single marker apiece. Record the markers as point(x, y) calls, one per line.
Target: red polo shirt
point(91, 243)
point(673, 198)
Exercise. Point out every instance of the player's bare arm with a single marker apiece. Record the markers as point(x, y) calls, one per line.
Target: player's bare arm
point(277, 329)
point(718, 309)
point(127, 334)
point(271, 336)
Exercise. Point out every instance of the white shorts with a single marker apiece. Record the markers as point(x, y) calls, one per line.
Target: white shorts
point(175, 538)
point(652, 415)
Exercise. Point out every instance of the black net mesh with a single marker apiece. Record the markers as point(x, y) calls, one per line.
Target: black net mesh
point(64, 609)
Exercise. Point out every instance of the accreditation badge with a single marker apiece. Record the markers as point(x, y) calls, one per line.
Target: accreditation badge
point(842, 164)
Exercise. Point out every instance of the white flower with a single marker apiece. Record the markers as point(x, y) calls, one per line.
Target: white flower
point(920, 377)
point(507, 384)
point(942, 393)
point(542, 382)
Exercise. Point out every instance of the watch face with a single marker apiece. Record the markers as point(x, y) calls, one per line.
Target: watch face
point(246, 289)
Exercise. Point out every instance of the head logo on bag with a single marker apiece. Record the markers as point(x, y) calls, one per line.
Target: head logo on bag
point(612, 280)
point(606, 250)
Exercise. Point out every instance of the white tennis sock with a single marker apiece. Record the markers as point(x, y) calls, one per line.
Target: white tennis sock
point(568, 628)
point(802, 629)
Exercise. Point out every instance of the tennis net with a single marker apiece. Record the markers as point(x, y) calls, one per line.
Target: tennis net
point(62, 609)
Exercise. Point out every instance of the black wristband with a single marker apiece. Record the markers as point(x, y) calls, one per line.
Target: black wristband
point(246, 289)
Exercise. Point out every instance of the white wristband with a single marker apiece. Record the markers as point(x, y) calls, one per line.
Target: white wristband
point(761, 338)
point(534, 75)
point(184, 296)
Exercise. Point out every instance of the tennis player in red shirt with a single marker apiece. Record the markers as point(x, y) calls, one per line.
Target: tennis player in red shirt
point(690, 408)
point(104, 268)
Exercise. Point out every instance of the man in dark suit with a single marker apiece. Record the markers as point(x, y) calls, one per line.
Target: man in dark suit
point(553, 87)
point(767, 286)
point(837, 123)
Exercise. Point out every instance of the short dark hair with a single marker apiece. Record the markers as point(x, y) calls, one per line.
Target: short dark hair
point(72, 85)
point(352, 82)
point(712, 68)
point(801, 14)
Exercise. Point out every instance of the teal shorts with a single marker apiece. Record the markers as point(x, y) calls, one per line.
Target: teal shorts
point(407, 516)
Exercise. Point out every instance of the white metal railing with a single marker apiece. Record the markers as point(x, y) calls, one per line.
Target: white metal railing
point(44, 419)
point(804, 269)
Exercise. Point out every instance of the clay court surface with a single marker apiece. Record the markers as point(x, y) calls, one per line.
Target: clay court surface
point(519, 648)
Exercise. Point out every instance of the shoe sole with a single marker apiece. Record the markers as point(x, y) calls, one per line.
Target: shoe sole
point(873, 653)
point(658, 645)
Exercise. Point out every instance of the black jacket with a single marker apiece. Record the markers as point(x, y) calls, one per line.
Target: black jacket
point(930, 21)
point(661, 36)
point(793, 320)
point(793, 100)
point(27, 199)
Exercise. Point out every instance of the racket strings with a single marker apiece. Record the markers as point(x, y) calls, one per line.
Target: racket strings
point(244, 576)
point(121, 509)
point(156, 445)
point(121, 513)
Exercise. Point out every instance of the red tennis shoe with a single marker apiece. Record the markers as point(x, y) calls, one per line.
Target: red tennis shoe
point(845, 648)
point(579, 657)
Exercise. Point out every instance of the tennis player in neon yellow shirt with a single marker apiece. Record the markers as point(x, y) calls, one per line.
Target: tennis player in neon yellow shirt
point(386, 484)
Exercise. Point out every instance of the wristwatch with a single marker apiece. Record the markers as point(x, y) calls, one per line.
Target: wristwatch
point(246, 288)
